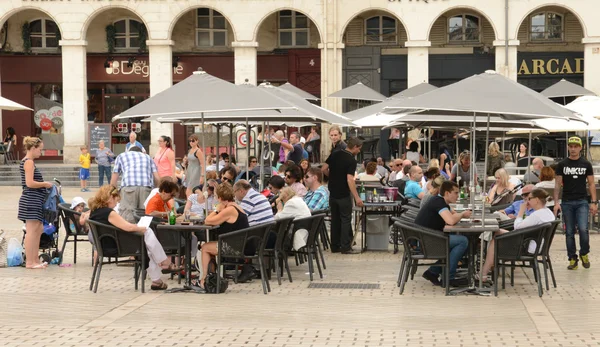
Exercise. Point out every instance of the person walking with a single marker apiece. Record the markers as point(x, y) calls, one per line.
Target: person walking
point(572, 174)
point(195, 159)
point(340, 167)
point(104, 158)
point(165, 158)
point(32, 201)
point(139, 176)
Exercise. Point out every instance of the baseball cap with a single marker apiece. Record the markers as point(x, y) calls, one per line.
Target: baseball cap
point(76, 201)
point(575, 140)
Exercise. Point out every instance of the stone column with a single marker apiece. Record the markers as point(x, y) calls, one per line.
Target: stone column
point(245, 61)
point(591, 56)
point(418, 62)
point(511, 69)
point(74, 75)
point(161, 78)
point(331, 81)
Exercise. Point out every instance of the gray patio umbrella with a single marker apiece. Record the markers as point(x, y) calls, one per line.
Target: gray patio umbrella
point(204, 93)
point(413, 91)
point(358, 92)
point(295, 90)
point(564, 88)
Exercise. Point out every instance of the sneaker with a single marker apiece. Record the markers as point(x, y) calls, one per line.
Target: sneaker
point(585, 261)
point(572, 264)
point(431, 277)
point(83, 189)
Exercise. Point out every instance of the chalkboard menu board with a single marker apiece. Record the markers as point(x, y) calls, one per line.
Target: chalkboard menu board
point(98, 132)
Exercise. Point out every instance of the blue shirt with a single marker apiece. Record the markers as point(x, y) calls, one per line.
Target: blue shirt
point(413, 189)
point(137, 169)
point(317, 200)
point(515, 207)
point(257, 208)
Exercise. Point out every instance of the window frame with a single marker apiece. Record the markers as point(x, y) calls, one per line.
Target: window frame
point(211, 30)
point(464, 28)
point(43, 35)
point(127, 36)
point(293, 30)
point(545, 32)
point(380, 34)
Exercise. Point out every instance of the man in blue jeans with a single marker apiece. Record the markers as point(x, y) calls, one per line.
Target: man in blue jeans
point(436, 214)
point(572, 174)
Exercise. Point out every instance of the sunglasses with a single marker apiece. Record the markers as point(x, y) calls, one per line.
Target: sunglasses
point(306, 177)
point(225, 179)
point(254, 161)
point(191, 140)
point(524, 195)
point(288, 176)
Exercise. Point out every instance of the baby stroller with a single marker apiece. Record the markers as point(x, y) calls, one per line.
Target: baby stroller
point(49, 240)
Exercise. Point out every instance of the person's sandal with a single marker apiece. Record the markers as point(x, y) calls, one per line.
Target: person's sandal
point(172, 268)
point(161, 286)
point(486, 280)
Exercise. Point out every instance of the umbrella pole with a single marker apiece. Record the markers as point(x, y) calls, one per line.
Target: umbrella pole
point(217, 125)
point(456, 152)
point(588, 153)
point(529, 156)
point(429, 144)
point(487, 139)
point(205, 185)
point(230, 140)
point(247, 150)
point(262, 168)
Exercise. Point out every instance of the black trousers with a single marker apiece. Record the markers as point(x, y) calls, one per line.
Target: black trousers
point(341, 223)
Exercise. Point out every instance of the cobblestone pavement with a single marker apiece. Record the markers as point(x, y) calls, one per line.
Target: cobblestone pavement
point(54, 307)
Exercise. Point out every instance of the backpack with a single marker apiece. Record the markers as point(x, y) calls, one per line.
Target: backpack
point(50, 208)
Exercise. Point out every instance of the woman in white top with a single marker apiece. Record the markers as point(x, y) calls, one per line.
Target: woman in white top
point(413, 153)
point(546, 178)
point(370, 174)
point(291, 205)
point(541, 214)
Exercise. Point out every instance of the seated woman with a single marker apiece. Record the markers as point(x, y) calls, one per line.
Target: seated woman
point(101, 210)
point(413, 153)
point(291, 205)
point(541, 214)
point(429, 175)
point(162, 203)
point(500, 192)
point(547, 176)
point(436, 183)
point(370, 175)
point(196, 202)
point(436, 163)
point(230, 217)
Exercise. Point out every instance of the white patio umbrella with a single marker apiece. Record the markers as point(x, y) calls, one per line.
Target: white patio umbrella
point(358, 92)
point(295, 90)
point(9, 105)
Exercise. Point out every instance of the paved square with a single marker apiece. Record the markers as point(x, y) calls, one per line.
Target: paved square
point(54, 307)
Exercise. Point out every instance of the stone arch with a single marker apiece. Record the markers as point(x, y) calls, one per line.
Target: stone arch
point(468, 8)
point(385, 10)
point(92, 16)
point(12, 12)
point(262, 20)
point(537, 8)
point(195, 7)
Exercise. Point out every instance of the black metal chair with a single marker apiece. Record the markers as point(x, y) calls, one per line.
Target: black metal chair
point(544, 255)
point(512, 247)
point(277, 252)
point(245, 244)
point(312, 248)
point(69, 217)
point(11, 156)
point(112, 242)
point(423, 244)
point(323, 235)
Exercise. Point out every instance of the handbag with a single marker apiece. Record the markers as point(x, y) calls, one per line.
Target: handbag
point(3, 249)
point(210, 284)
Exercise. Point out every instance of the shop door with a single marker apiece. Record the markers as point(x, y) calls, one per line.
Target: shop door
point(114, 104)
point(361, 64)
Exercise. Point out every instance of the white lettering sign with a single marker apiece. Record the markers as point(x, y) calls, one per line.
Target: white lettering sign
point(137, 68)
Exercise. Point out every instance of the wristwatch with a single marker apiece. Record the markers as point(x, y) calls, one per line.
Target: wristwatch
point(594, 202)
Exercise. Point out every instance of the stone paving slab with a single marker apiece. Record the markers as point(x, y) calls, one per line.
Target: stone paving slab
point(54, 307)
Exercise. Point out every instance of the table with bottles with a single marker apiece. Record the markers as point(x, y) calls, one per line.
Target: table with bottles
point(375, 202)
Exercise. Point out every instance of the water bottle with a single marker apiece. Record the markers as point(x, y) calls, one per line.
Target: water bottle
point(172, 217)
point(362, 192)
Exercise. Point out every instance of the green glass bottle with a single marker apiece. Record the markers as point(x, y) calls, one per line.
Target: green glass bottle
point(172, 217)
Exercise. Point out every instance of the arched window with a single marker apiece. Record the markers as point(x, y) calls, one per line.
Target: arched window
point(463, 28)
point(211, 28)
point(128, 33)
point(43, 33)
point(381, 29)
point(293, 29)
point(546, 26)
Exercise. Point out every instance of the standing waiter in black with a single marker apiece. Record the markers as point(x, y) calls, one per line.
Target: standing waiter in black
point(340, 167)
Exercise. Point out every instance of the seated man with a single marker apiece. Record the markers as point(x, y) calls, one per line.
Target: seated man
point(317, 197)
point(511, 211)
point(413, 189)
point(162, 203)
point(435, 215)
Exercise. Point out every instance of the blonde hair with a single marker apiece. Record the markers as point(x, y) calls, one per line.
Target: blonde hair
point(494, 149)
point(335, 128)
point(103, 195)
point(503, 177)
point(434, 163)
point(286, 194)
point(83, 147)
point(464, 155)
point(30, 142)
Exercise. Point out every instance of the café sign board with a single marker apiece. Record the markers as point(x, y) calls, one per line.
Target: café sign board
point(550, 64)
